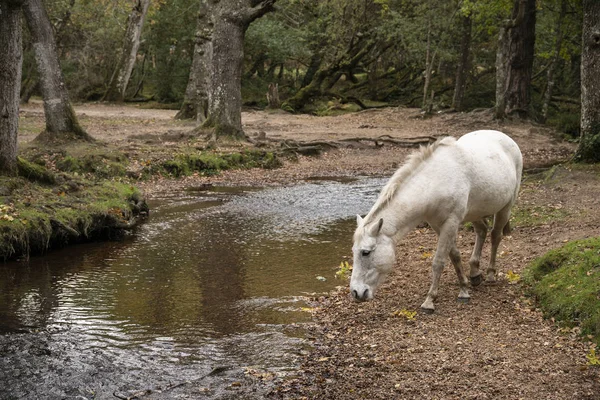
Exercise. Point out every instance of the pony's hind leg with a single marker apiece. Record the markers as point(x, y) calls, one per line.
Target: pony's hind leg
point(500, 221)
point(463, 282)
point(481, 229)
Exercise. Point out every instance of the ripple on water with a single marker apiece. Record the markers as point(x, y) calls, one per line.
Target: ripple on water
point(214, 277)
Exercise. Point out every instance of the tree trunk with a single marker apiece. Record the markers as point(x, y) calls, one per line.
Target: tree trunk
point(225, 84)
point(225, 94)
point(520, 61)
point(273, 96)
point(131, 43)
point(428, 63)
point(589, 143)
point(463, 64)
point(503, 54)
point(10, 79)
point(554, 61)
point(313, 67)
point(61, 122)
point(195, 102)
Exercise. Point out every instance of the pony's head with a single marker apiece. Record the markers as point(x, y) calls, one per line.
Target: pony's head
point(374, 258)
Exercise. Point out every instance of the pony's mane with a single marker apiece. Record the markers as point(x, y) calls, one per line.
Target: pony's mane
point(413, 161)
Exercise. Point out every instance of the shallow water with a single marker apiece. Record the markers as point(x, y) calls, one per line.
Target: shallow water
point(215, 278)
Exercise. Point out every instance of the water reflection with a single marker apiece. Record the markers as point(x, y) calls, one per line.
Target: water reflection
point(212, 278)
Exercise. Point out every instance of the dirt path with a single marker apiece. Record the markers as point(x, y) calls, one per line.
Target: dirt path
point(496, 347)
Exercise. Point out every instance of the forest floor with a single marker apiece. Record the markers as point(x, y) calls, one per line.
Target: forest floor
point(498, 346)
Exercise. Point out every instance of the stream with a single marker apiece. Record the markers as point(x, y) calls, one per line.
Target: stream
point(207, 293)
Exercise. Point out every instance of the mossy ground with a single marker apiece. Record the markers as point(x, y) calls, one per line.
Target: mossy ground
point(566, 283)
point(86, 191)
point(36, 216)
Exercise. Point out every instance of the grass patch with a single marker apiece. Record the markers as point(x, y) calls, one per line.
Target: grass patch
point(566, 284)
point(536, 215)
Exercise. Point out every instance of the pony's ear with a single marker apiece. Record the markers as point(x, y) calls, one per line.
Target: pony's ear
point(376, 228)
point(359, 220)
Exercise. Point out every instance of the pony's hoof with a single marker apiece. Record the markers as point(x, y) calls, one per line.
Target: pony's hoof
point(463, 300)
point(428, 311)
point(476, 280)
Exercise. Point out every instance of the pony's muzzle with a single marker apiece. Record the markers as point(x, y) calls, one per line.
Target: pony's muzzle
point(364, 296)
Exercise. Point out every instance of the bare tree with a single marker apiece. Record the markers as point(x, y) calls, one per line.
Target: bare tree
point(232, 18)
point(195, 103)
point(589, 143)
point(61, 122)
point(131, 43)
point(10, 79)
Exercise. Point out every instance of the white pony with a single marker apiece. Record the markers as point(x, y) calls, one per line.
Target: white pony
point(444, 184)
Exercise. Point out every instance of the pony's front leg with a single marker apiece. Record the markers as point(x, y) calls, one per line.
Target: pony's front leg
point(447, 240)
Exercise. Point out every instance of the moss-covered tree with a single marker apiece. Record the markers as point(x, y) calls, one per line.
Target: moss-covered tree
point(589, 144)
point(61, 121)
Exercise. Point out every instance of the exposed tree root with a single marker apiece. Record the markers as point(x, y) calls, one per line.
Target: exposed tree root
point(315, 147)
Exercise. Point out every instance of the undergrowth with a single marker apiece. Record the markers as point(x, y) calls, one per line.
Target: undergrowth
point(566, 283)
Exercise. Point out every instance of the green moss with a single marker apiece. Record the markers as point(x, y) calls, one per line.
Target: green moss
point(101, 165)
point(566, 283)
point(34, 172)
point(41, 217)
point(210, 163)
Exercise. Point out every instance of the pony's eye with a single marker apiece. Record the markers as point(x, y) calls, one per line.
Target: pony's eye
point(365, 253)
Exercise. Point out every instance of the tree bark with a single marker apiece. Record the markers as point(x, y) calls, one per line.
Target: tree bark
point(195, 102)
point(515, 63)
point(589, 143)
point(273, 96)
point(554, 61)
point(225, 84)
point(10, 79)
point(503, 54)
point(313, 67)
point(429, 60)
point(518, 83)
point(131, 43)
point(61, 122)
point(463, 64)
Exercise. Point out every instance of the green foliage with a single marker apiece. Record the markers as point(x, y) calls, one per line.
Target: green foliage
point(566, 283)
point(373, 50)
point(567, 122)
point(169, 33)
point(344, 271)
point(593, 358)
